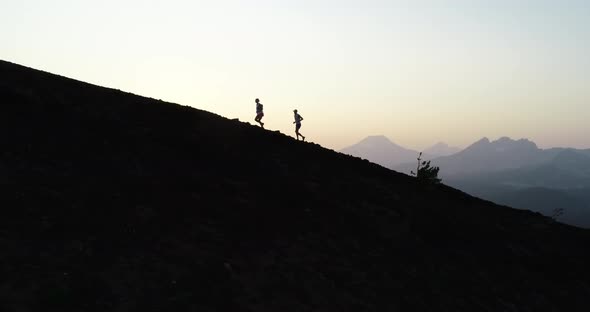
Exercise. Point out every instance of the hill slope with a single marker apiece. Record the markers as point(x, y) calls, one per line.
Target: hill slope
point(114, 202)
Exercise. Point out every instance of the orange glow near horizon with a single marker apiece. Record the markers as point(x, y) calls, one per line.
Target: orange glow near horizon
point(416, 72)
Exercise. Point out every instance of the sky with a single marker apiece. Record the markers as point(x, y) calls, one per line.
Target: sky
point(418, 72)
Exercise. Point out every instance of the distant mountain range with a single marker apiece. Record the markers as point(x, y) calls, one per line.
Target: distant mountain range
point(534, 179)
point(519, 174)
point(380, 150)
point(511, 172)
point(486, 156)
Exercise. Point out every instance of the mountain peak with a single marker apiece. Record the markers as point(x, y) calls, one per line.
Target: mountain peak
point(381, 150)
point(506, 139)
point(503, 144)
point(483, 140)
point(481, 143)
point(377, 139)
point(441, 149)
point(508, 143)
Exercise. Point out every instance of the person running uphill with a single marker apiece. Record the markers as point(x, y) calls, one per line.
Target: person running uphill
point(297, 122)
point(259, 113)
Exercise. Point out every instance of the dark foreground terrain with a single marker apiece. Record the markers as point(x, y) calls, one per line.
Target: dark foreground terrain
point(115, 202)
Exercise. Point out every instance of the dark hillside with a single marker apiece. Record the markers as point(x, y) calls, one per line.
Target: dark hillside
point(115, 202)
point(546, 201)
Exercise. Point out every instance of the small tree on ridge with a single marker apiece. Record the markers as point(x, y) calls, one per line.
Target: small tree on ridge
point(426, 173)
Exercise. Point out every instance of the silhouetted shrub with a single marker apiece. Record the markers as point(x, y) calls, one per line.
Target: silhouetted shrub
point(426, 173)
point(556, 213)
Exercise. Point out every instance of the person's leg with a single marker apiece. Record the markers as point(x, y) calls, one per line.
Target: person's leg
point(258, 119)
point(299, 133)
point(297, 127)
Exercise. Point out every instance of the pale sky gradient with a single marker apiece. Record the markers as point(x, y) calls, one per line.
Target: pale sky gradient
point(416, 71)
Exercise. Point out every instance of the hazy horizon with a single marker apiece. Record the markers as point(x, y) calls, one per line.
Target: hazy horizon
point(418, 72)
point(491, 139)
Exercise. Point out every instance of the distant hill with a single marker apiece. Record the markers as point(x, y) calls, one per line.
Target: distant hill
point(484, 156)
point(566, 170)
point(557, 173)
point(441, 149)
point(489, 156)
point(576, 210)
point(380, 150)
point(116, 202)
point(519, 161)
point(531, 196)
